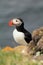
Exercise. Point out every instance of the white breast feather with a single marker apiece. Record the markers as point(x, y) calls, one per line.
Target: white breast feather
point(19, 37)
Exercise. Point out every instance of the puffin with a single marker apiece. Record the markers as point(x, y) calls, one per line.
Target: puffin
point(20, 34)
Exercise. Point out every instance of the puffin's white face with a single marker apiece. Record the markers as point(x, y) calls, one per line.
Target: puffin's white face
point(15, 22)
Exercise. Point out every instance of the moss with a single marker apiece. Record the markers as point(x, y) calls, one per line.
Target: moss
point(14, 58)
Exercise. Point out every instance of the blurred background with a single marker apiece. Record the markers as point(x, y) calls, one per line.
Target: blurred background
point(31, 11)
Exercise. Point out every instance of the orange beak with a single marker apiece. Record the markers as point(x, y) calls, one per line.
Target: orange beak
point(10, 23)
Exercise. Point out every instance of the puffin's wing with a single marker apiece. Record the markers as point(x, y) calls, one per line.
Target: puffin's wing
point(28, 36)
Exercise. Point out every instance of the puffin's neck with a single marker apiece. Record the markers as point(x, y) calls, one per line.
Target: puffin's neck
point(20, 28)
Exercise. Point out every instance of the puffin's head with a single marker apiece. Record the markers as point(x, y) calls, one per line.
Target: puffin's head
point(16, 22)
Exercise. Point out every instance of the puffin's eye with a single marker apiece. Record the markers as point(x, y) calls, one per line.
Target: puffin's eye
point(16, 21)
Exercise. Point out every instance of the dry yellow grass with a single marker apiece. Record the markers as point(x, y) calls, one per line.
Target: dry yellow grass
point(8, 49)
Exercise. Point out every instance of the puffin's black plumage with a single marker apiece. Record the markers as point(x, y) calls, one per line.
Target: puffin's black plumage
point(28, 36)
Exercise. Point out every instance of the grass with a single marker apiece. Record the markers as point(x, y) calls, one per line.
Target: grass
point(15, 58)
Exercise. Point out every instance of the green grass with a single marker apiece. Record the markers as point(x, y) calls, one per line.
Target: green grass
point(14, 58)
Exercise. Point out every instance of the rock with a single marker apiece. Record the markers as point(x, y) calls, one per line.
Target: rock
point(37, 37)
point(37, 34)
point(40, 44)
point(30, 47)
point(40, 57)
point(21, 49)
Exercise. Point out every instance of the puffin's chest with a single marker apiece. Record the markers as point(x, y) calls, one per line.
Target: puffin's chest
point(18, 36)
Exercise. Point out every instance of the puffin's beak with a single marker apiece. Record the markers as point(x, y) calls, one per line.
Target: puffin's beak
point(10, 23)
